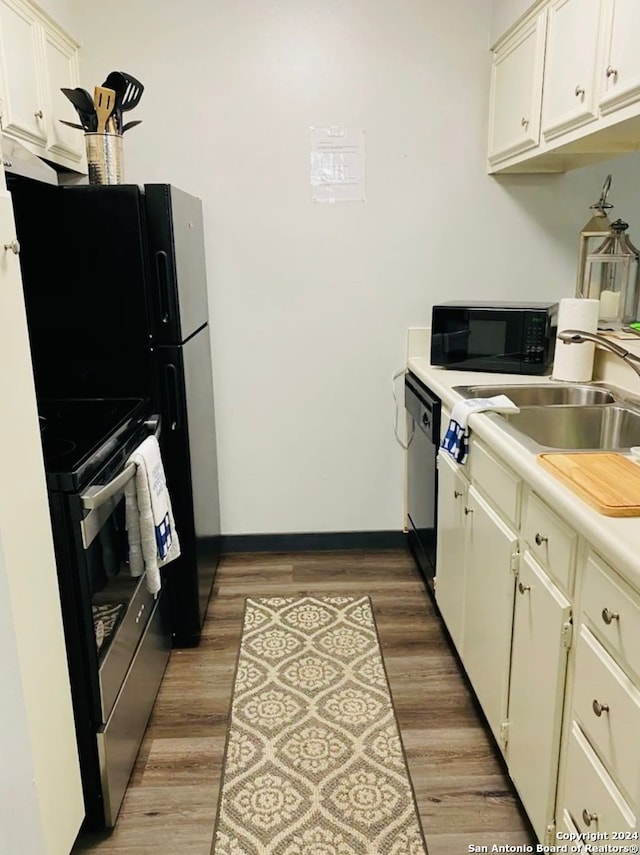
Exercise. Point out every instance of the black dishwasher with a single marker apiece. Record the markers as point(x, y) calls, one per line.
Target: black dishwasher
point(423, 409)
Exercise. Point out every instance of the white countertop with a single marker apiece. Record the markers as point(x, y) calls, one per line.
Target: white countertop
point(616, 539)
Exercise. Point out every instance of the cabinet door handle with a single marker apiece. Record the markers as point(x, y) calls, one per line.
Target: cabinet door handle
point(579, 91)
point(468, 511)
point(523, 588)
point(588, 817)
point(599, 708)
point(39, 114)
point(457, 494)
point(524, 122)
point(608, 616)
point(611, 71)
point(14, 246)
point(540, 538)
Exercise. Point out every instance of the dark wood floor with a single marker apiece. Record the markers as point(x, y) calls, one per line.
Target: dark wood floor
point(462, 792)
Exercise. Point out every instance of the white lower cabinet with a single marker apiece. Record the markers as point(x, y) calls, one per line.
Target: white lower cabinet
point(488, 607)
point(541, 637)
point(450, 560)
point(547, 633)
point(600, 785)
point(590, 796)
point(476, 557)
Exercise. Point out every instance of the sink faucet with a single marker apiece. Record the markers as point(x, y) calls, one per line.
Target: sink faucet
point(577, 336)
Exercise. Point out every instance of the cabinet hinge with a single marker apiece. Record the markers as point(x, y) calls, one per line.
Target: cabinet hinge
point(550, 835)
point(567, 634)
point(515, 563)
point(503, 738)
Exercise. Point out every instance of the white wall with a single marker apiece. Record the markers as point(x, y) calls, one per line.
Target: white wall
point(62, 12)
point(504, 13)
point(310, 303)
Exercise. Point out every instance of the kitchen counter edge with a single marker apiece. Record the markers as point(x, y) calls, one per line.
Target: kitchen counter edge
point(616, 539)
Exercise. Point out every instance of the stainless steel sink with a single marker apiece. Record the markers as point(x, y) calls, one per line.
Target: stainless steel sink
point(571, 416)
point(539, 396)
point(610, 427)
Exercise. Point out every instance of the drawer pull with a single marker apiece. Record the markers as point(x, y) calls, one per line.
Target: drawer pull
point(599, 708)
point(457, 494)
point(540, 538)
point(468, 511)
point(523, 588)
point(140, 613)
point(588, 818)
point(608, 616)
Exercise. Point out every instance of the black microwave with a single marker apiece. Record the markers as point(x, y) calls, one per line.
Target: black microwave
point(512, 338)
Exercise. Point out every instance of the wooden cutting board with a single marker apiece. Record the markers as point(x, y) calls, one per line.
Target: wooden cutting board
point(609, 482)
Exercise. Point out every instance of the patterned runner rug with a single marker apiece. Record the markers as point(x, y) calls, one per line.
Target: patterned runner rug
point(314, 764)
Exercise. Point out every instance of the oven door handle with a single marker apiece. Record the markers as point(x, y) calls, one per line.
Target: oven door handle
point(95, 498)
point(91, 501)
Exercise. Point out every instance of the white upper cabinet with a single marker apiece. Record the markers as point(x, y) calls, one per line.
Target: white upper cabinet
point(22, 90)
point(578, 61)
point(36, 60)
point(621, 67)
point(61, 67)
point(569, 97)
point(516, 90)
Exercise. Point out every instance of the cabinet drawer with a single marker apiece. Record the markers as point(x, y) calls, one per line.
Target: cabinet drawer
point(590, 797)
point(613, 611)
point(497, 482)
point(614, 731)
point(551, 541)
point(566, 826)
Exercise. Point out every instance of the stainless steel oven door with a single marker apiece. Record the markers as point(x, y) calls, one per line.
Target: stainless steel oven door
point(120, 603)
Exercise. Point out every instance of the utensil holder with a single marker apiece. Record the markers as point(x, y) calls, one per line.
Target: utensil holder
point(105, 158)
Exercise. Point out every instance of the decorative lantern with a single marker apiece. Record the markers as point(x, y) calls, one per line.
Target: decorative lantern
point(611, 276)
point(593, 234)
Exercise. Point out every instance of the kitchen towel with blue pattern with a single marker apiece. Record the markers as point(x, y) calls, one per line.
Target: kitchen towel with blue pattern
point(456, 439)
point(151, 530)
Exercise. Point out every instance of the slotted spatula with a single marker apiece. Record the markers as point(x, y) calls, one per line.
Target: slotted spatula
point(104, 101)
point(132, 93)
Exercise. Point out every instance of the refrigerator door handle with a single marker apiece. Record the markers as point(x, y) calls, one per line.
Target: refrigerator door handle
point(164, 298)
point(173, 396)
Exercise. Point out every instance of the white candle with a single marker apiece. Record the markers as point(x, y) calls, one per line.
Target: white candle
point(609, 304)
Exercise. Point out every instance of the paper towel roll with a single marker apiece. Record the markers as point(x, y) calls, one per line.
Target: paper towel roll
point(574, 362)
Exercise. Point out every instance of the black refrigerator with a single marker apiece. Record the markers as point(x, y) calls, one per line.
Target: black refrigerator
point(116, 294)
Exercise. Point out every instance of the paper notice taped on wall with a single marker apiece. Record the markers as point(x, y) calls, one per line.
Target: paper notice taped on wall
point(337, 164)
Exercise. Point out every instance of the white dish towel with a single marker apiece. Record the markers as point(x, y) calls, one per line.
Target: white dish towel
point(456, 439)
point(151, 531)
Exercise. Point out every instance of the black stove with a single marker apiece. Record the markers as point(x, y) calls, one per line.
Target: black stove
point(79, 436)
